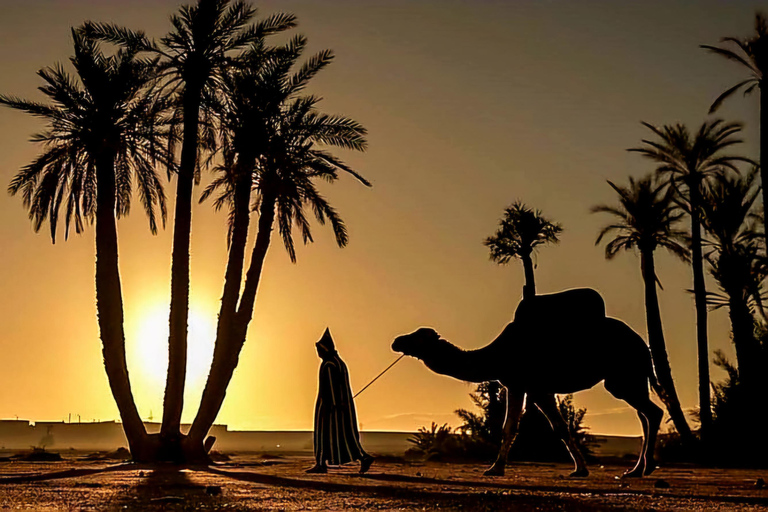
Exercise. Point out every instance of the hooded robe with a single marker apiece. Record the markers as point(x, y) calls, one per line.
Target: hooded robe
point(336, 438)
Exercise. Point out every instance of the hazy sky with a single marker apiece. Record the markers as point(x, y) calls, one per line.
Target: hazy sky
point(470, 106)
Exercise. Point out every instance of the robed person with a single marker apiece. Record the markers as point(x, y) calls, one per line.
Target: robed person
point(337, 439)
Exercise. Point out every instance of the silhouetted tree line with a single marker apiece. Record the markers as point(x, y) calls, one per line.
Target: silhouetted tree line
point(701, 204)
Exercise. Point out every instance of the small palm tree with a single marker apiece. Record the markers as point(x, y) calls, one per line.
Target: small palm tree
point(275, 151)
point(104, 133)
point(689, 161)
point(490, 398)
point(751, 53)
point(737, 262)
point(520, 232)
point(644, 220)
point(195, 54)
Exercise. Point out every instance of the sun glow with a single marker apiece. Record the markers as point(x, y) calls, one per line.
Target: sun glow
point(147, 347)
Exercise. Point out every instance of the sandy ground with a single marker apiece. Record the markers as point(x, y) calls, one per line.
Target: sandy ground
point(258, 483)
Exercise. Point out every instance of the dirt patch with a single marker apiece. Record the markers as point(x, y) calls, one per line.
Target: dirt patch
point(246, 483)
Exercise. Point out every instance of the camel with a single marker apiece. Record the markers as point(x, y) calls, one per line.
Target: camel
point(541, 354)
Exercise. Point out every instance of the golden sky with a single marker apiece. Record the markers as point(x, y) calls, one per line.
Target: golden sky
point(470, 106)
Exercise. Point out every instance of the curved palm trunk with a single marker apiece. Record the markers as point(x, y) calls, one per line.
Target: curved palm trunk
point(700, 299)
point(231, 334)
point(173, 401)
point(750, 371)
point(529, 289)
point(109, 306)
point(238, 241)
point(742, 327)
point(659, 348)
point(764, 153)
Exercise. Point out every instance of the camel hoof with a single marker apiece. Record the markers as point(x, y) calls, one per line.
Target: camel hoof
point(635, 473)
point(494, 471)
point(579, 473)
point(650, 468)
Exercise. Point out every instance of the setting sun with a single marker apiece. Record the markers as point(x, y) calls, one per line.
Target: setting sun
point(147, 352)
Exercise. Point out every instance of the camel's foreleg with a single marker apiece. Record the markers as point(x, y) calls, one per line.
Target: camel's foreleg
point(511, 421)
point(548, 405)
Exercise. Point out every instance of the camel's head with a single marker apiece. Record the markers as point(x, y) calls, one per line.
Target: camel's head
point(417, 343)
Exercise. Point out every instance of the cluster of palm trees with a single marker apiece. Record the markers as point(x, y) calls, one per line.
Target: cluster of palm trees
point(701, 204)
point(691, 169)
point(212, 93)
point(698, 178)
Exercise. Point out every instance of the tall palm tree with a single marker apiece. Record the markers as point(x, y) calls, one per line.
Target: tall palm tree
point(521, 230)
point(201, 46)
point(751, 53)
point(103, 134)
point(645, 220)
point(274, 152)
point(688, 161)
point(737, 262)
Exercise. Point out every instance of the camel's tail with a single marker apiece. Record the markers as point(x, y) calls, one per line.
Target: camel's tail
point(657, 388)
point(655, 385)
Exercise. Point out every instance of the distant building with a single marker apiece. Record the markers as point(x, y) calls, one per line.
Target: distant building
point(60, 435)
point(108, 435)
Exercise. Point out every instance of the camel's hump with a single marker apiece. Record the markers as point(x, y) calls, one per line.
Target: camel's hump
point(566, 307)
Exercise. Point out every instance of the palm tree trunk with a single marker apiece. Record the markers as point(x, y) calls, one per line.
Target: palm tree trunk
point(742, 327)
point(764, 154)
point(700, 299)
point(749, 365)
point(529, 289)
point(109, 306)
point(659, 348)
point(231, 338)
point(173, 401)
point(237, 243)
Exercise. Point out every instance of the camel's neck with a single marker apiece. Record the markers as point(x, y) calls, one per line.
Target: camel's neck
point(467, 365)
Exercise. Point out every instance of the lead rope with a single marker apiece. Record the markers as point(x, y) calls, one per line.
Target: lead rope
point(379, 375)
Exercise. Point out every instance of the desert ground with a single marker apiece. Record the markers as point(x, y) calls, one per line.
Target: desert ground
point(259, 482)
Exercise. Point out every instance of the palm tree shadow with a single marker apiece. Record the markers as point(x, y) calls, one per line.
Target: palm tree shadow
point(486, 484)
point(438, 496)
point(388, 492)
point(68, 473)
point(167, 486)
point(506, 495)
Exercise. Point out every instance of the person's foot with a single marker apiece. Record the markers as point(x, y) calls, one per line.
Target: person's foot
point(365, 464)
point(318, 468)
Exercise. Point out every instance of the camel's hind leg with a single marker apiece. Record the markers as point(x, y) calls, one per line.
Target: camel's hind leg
point(642, 460)
point(547, 404)
point(512, 419)
point(650, 415)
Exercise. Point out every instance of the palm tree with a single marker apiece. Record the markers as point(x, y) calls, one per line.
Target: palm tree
point(752, 54)
point(201, 46)
point(273, 149)
point(521, 230)
point(645, 220)
point(737, 262)
point(103, 134)
point(688, 161)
